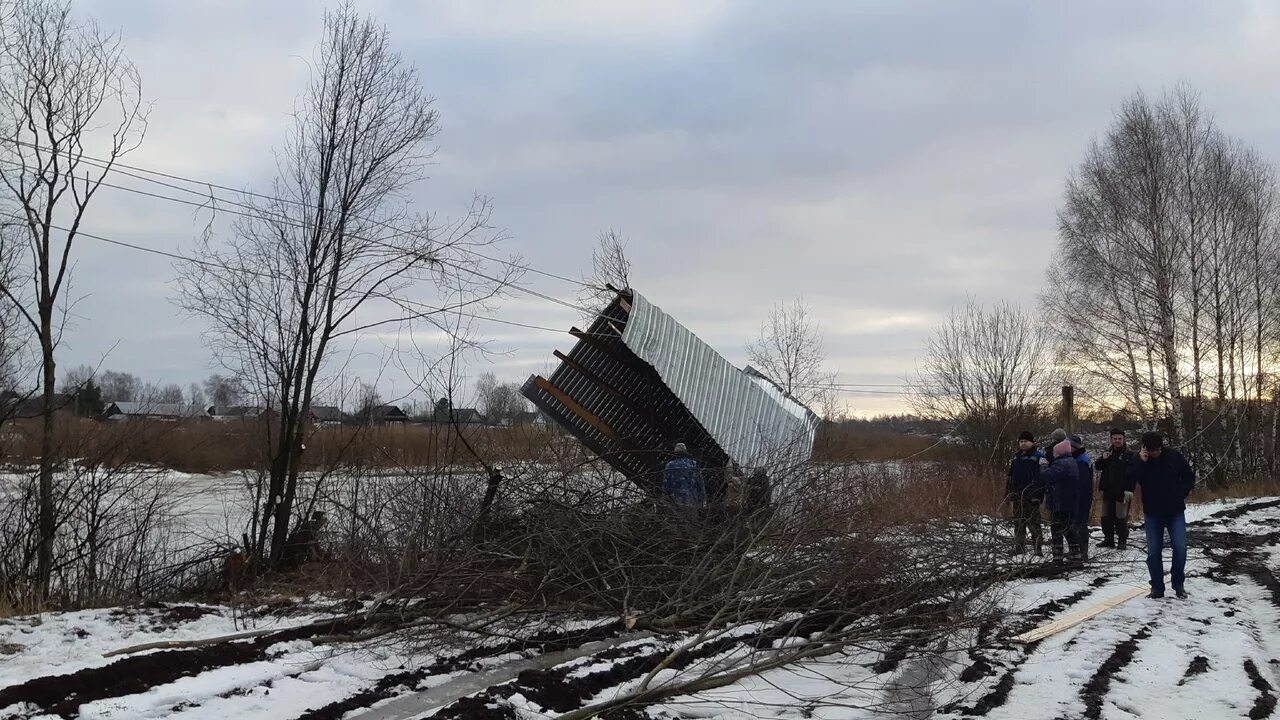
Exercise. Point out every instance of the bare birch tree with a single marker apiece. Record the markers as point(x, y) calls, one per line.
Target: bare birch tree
point(986, 370)
point(338, 251)
point(66, 91)
point(791, 352)
point(609, 266)
point(1168, 263)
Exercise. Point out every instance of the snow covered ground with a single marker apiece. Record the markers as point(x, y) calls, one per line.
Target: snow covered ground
point(1214, 655)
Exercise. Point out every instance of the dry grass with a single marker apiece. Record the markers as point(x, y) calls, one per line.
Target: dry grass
point(1256, 487)
point(845, 443)
point(932, 491)
point(205, 446)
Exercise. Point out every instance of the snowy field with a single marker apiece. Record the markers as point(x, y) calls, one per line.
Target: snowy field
point(1214, 655)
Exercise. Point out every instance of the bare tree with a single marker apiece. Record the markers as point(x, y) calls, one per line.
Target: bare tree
point(169, 394)
point(367, 400)
point(121, 386)
point(985, 370)
point(609, 266)
point(65, 87)
point(1168, 239)
point(498, 401)
point(337, 251)
point(77, 376)
point(223, 391)
point(195, 394)
point(791, 352)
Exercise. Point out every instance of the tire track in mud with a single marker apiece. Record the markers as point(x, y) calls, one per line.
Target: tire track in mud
point(1094, 692)
point(560, 690)
point(983, 666)
point(400, 683)
point(1265, 704)
point(62, 695)
point(1199, 665)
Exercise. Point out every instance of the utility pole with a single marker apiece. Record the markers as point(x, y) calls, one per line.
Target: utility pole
point(1068, 408)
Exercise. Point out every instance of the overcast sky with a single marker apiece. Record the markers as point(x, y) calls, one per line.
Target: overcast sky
point(881, 159)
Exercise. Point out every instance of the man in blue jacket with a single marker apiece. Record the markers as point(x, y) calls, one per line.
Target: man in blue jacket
point(1166, 479)
point(1023, 492)
point(1084, 498)
point(1061, 480)
point(683, 484)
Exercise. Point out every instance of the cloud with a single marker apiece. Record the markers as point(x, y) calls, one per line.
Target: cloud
point(882, 159)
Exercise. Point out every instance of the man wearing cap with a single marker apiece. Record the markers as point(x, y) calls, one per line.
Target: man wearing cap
point(1166, 478)
point(1115, 484)
point(1024, 493)
point(1056, 437)
point(683, 484)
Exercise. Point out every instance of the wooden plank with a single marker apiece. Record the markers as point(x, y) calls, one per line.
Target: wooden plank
point(598, 344)
point(661, 429)
point(576, 408)
point(616, 460)
point(600, 383)
point(1072, 619)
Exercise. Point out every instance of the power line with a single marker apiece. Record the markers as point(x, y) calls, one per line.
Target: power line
point(273, 276)
point(258, 214)
point(424, 308)
point(116, 166)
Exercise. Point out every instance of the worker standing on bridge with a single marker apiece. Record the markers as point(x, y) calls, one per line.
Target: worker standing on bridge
point(683, 484)
point(1115, 484)
point(1166, 479)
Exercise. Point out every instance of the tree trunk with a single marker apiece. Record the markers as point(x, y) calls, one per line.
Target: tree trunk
point(48, 525)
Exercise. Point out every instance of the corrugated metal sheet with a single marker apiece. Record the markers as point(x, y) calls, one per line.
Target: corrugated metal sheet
point(755, 423)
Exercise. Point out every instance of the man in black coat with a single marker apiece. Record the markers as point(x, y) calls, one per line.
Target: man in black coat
point(1024, 493)
point(1166, 478)
point(1115, 483)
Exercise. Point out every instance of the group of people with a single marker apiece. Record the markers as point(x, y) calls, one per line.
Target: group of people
point(1061, 478)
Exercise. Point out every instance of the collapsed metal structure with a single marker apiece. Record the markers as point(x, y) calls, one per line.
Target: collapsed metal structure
point(637, 382)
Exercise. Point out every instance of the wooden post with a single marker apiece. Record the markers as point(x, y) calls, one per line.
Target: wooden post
point(1068, 408)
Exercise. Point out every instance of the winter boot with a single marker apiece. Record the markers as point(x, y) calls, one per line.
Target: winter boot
point(1108, 532)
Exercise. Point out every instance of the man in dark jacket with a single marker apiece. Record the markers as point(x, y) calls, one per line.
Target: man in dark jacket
point(1166, 479)
point(1115, 483)
point(1024, 492)
point(1061, 480)
point(1084, 498)
point(758, 499)
point(683, 484)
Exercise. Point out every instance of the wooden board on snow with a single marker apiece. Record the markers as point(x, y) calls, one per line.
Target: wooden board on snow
point(1072, 619)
